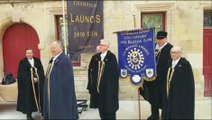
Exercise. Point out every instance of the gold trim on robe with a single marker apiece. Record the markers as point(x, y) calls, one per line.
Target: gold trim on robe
point(169, 78)
point(157, 55)
point(101, 66)
point(48, 73)
point(35, 79)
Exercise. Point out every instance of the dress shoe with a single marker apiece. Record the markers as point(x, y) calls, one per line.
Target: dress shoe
point(153, 117)
point(29, 117)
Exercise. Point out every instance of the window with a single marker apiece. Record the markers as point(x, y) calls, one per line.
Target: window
point(75, 57)
point(155, 19)
point(207, 19)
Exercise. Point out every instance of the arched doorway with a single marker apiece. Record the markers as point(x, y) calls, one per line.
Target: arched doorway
point(16, 39)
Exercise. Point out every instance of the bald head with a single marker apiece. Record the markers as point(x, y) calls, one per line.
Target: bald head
point(56, 47)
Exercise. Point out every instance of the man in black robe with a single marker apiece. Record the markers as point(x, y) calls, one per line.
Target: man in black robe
point(30, 84)
point(92, 76)
point(154, 90)
point(59, 89)
point(106, 82)
point(179, 103)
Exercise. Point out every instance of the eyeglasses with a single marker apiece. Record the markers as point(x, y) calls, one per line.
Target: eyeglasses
point(174, 52)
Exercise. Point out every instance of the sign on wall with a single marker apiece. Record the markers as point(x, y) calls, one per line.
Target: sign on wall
point(85, 25)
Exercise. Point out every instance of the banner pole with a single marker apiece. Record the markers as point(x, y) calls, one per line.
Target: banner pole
point(134, 21)
point(64, 28)
point(139, 109)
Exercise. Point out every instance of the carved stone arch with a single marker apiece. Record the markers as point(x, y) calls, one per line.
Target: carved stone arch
point(16, 38)
point(5, 23)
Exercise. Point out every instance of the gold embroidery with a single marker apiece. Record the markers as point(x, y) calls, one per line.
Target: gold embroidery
point(169, 78)
point(34, 74)
point(101, 65)
point(157, 55)
point(48, 73)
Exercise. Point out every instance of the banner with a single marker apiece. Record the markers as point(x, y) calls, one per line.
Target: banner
point(136, 56)
point(85, 25)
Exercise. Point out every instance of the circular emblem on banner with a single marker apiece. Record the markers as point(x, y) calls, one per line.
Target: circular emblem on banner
point(136, 80)
point(135, 59)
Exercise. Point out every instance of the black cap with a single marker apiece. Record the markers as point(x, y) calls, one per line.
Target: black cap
point(161, 35)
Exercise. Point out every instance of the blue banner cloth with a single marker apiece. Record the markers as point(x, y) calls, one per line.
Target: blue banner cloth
point(136, 55)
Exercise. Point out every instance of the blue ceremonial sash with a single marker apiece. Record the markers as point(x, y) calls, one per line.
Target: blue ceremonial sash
point(136, 55)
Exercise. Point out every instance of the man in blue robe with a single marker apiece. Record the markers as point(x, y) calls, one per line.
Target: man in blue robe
point(59, 91)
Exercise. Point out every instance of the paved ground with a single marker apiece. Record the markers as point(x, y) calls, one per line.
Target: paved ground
point(128, 110)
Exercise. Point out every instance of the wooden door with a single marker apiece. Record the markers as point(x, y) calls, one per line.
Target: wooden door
point(207, 61)
point(207, 50)
point(16, 39)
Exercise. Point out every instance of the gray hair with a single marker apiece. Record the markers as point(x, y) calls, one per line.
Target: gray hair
point(176, 49)
point(105, 42)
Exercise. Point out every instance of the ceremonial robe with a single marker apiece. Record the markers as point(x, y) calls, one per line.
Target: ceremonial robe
point(26, 99)
point(59, 91)
point(92, 80)
point(107, 96)
point(179, 102)
point(154, 90)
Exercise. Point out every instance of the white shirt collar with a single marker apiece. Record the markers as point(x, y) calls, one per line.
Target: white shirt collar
point(103, 55)
point(174, 62)
point(55, 57)
point(157, 47)
point(31, 62)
